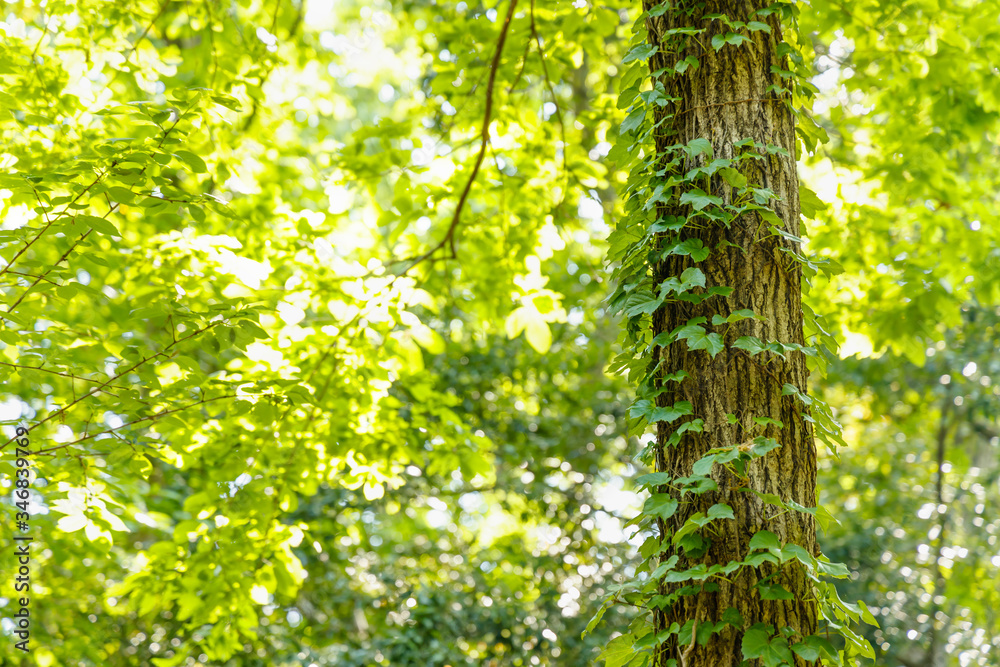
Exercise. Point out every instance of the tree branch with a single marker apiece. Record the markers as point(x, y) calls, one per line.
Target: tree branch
point(484, 138)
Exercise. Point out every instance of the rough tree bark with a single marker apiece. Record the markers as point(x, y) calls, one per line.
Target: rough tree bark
point(727, 99)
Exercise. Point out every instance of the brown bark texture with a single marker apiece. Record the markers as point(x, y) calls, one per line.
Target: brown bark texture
point(726, 99)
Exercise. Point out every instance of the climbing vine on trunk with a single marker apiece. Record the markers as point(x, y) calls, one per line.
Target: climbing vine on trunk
point(710, 271)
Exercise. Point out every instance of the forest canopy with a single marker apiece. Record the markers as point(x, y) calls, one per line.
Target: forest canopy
point(443, 333)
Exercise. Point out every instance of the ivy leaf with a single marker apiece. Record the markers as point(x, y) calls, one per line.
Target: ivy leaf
point(633, 121)
point(642, 303)
point(696, 425)
point(735, 316)
point(671, 414)
point(773, 592)
point(693, 247)
point(641, 52)
point(671, 223)
point(790, 551)
point(703, 466)
point(641, 408)
point(660, 505)
point(809, 202)
point(836, 570)
point(664, 567)
point(696, 147)
point(653, 479)
point(682, 65)
point(764, 539)
point(619, 651)
point(729, 38)
point(756, 640)
point(720, 511)
point(772, 652)
point(696, 484)
point(750, 344)
point(733, 177)
point(699, 199)
point(866, 614)
point(660, 9)
point(758, 26)
point(815, 647)
point(698, 339)
point(693, 276)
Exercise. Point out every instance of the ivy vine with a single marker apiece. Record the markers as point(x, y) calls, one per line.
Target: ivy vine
point(642, 240)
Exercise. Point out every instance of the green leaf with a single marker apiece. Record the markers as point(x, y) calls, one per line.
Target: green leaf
point(653, 479)
point(693, 247)
point(660, 505)
point(698, 339)
point(619, 651)
point(197, 165)
point(672, 413)
point(810, 202)
point(699, 199)
point(756, 641)
point(733, 177)
point(837, 570)
point(698, 146)
point(866, 614)
point(693, 276)
point(750, 344)
point(641, 52)
point(72, 523)
point(642, 303)
point(703, 466)
point(720, 511)
point(594, 620)
point(764, 539)
point(773, 592)
point(120, 194)
point(633, 121)
point(815, 647)
point(99, 225)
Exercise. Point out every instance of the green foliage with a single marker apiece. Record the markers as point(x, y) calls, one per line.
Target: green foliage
point(245, 314)
point(304, 304)
point(659, 177)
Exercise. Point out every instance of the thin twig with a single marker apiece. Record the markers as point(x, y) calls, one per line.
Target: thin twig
point(44, 229)
point(117, 376)
point(555, 101)
point(24, 367)
point(137, 421)
point(484, 138)
point(136, 43)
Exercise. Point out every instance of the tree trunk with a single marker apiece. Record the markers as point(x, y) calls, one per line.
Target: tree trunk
point(726, 99)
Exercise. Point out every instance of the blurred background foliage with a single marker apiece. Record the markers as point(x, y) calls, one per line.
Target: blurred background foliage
point(303, 301)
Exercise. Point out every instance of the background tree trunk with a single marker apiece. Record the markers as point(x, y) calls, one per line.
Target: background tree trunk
point(725, 99)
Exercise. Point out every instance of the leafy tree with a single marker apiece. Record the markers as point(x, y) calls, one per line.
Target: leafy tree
point(310, 311)
point(710, 283)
